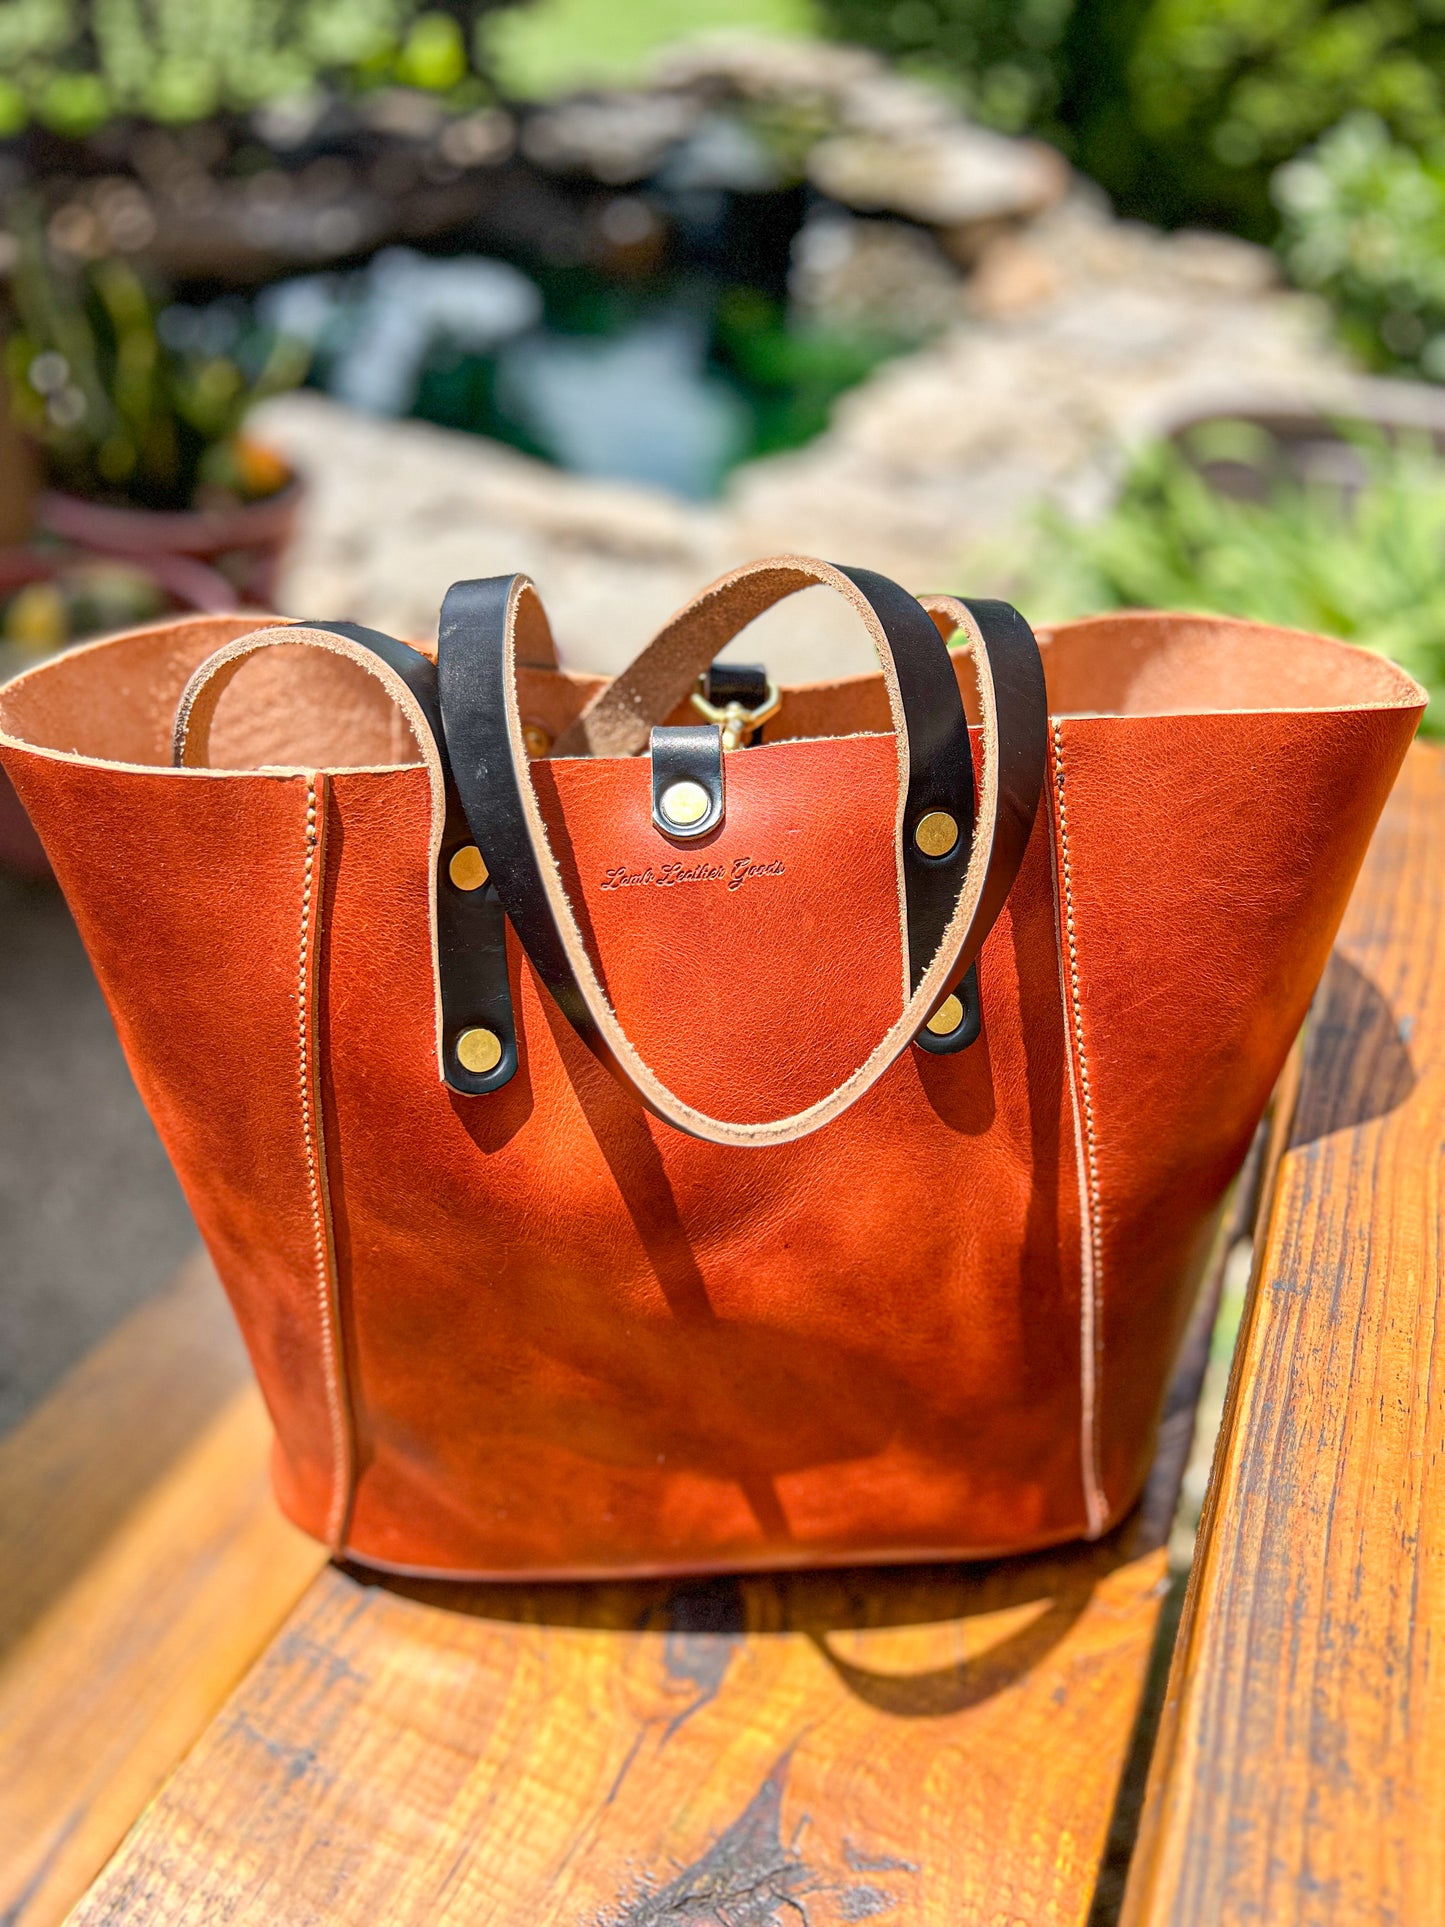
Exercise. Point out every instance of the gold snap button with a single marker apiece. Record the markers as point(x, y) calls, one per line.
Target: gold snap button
point(467, 869)
point(537, 740)
point(479, 1051)
point(947, 1018)
point(683, 804)
point(936, 834)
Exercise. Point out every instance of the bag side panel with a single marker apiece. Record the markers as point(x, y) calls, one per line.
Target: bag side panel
point(1210, 859)
point(189, 891)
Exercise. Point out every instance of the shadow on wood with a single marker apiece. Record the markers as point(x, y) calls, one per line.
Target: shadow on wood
point(923, 1743)
point(1360, 1063)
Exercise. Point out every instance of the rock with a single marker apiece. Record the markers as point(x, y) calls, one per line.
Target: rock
point(743, 113)
point(888, 143)
point(1124, 335)
point(1077, 337)
point(753, 67)
point(410, 112)
point(478, 140)
point(879, 277)
point(950, 178)
point(886, 103)
point(617, 138)
point(1012, 276)
point(398, 511)
point(1081, 237)
point(1220, 261)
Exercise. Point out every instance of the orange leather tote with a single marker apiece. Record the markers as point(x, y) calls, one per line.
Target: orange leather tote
point(637, 1141)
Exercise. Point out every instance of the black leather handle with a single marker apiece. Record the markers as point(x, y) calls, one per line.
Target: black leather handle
point(474, 995)
point(943, 886)
point(471, 925)
point(1010, 659)
point(472, 677)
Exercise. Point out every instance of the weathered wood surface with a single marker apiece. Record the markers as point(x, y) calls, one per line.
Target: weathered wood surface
point(1300, 1776)
point(903, 1747)
point(144, 1568)
point(77, 1465)
point(928, 1745)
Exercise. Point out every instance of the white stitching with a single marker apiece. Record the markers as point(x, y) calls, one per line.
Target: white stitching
point(1092, 1256)
point(313, 1179)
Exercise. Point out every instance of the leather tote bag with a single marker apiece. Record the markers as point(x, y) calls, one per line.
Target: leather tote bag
point(635, 1141)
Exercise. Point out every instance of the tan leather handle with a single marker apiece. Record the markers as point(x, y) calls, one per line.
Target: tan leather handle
point(1008, 674)
point(477, 676)
point(208, 682)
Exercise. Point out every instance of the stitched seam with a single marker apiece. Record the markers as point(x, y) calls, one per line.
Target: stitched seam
point(313, 1174)
point(1092, 1267)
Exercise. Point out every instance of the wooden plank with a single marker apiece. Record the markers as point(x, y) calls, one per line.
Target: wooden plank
point(899, 1746)
point(1300, 1775)
point(922, 1745)
point(73, 1469)
point(145, 1568)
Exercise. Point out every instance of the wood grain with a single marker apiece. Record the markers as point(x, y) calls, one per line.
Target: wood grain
point(73, 1469)
point(720, 1755)
point(145, 1567)
point(1300, 1775)
point(920, 1745)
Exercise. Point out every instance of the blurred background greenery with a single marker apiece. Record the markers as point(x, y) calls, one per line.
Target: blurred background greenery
point(1314, 127)
point(1366, 564)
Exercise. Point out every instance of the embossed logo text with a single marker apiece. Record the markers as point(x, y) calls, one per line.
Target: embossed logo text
point(663, 876)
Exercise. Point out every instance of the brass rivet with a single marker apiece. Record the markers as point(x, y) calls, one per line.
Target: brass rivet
point(479, 1051)
point(536, 738)
point(684, 803)
point(936, 834)
point(467, 869)
point(947, 1018)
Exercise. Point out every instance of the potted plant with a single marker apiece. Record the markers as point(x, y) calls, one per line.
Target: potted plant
point(137, 407)
point(130, 487)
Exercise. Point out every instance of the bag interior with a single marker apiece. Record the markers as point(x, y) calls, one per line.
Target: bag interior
point(115, 700)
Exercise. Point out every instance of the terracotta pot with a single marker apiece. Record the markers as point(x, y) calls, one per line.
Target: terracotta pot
point(244, 544)
point(1316, 445)
point(188, 584)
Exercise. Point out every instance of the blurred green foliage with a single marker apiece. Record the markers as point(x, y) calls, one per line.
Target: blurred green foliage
point(131, 402)
point(73, 64)
point(1363, 565)
point(545, 47)
point(789, 372)
point(1364, 223)
point(1182, 109)
point(1006, 57)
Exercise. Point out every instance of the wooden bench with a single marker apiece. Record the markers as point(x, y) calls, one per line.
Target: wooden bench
point(1300, 1773)
point(916, 1746)
point(144, 1568)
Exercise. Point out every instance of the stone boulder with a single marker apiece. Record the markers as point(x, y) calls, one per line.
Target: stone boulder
point(959, 180)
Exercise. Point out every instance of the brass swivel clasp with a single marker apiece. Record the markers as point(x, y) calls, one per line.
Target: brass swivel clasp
point(736, 720)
